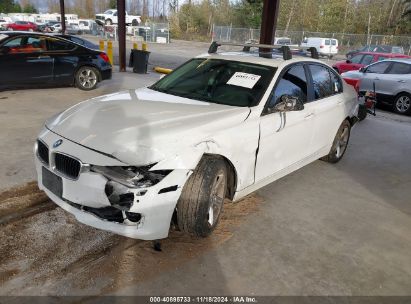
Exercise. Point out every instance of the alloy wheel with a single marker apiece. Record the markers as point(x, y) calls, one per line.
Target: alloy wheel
point(342, 142)
point(217, 199)
point(403, 104)
point(88, 78)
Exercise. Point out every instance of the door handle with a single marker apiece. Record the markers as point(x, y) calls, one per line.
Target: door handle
point(309, 116)
point(43, 57)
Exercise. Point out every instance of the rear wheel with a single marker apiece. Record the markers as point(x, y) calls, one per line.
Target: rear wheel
point(402, 104)
point(201, 202)
point(86, 78)
point(340, 143)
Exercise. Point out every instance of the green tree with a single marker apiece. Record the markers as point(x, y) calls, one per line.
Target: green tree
point(9, 6)
point(113, 4)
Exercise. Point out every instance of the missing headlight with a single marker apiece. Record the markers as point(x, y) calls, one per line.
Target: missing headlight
point(132, 177)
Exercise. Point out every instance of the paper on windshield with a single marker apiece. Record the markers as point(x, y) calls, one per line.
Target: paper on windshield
point(245, 80)
point(2, 36)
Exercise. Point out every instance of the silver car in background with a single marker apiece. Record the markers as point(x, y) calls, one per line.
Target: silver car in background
point(392, 79)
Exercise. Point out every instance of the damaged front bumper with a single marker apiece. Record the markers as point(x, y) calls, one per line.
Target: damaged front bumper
point(96, 199)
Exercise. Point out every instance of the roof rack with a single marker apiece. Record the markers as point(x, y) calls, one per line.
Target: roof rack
point(284, 49)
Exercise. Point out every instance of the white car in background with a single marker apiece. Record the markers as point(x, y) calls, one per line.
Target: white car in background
point(391, 79)
point(218, 127)
point(327, 47)
point(110, 17)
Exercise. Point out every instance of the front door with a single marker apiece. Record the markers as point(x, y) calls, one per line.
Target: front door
point(23, 60)
point(285, 138)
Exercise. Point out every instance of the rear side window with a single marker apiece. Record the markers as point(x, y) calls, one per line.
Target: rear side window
point(367, 59)
point(323, 87)
point(400, 68)
point(293, 83)
point(337, 85)
point(378, 68)
point(59, 45)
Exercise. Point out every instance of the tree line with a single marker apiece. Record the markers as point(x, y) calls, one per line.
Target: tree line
point(390, 17)
point(194, 18)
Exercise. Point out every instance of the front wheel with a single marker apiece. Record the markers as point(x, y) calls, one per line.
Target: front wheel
point(402, 104)
point(109, 22)
point(201, 202)
point(340, 143)
point(86, 78)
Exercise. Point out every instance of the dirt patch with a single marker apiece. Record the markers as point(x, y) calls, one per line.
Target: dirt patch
point(21, 202)
point(53, 254)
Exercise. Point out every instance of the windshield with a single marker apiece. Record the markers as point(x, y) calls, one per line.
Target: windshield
point(219, 81)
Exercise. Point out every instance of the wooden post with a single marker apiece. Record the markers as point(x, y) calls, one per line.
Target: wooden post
point(269, 23)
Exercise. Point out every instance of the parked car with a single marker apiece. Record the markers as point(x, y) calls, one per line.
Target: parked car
point(376, 49)
point(363, 59)
point(73, 29)
point(41, 59)
point(22, 26)
point(219, 126)
point(326, 47)
point(80, 41)
point(110, 17)
point(392, 81)
point(86, 25)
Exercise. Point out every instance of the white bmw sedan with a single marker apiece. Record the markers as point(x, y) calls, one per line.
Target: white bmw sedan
point(220, 126)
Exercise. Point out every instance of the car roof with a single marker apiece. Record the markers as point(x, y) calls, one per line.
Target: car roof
point(253, 57)
point(382, 54)
point(402, 60)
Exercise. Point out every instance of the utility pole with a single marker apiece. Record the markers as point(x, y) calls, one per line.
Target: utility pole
point(121, 12)
point(63, 17)
point(269, 23)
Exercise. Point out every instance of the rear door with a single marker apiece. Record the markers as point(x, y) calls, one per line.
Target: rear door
point(65, 59)
point(328, 104)
point(334, 46)
point(397, 78)
point(23, 60)
point(327, 46)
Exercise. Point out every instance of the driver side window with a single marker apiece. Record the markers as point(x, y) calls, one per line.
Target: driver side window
point(292, 83)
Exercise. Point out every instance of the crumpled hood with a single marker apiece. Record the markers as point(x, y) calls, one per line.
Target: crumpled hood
point(143, 126)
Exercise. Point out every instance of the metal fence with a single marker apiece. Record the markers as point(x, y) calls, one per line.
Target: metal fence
point(153, 32)
point(346, 41)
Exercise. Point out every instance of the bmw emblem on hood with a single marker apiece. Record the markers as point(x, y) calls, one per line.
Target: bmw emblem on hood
point(57, 143)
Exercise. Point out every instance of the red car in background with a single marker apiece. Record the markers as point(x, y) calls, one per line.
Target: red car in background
point(363, 59)
point(22, 26)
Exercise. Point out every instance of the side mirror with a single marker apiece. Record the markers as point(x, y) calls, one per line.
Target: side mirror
point(4, 50)
point(288, 103)
point(362, 70)
point(348, 61)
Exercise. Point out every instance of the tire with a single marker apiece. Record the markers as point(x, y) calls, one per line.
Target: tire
point(201, 202)
point(86, 78)
point(340, 143)
point(10, 29)
point(108, 22)
point(134, 22)
point(31, 30)
point(362, 112)
point(402, 103)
